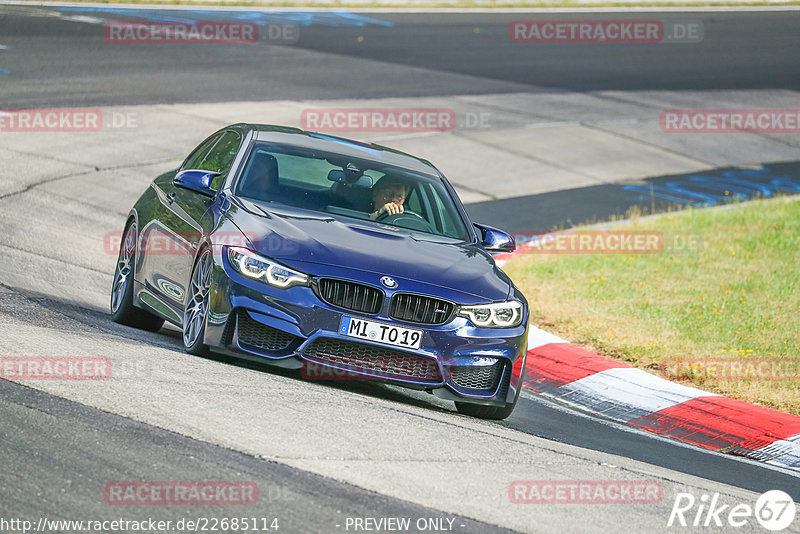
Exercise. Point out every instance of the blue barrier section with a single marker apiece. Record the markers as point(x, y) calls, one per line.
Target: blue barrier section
point(712, 188)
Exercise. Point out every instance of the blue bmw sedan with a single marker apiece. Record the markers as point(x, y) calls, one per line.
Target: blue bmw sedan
point(343, 259)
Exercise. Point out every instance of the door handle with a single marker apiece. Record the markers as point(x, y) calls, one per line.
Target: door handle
point(171, 198)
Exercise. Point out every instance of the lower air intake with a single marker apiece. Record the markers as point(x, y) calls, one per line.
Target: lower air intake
point(483, 377)
point(260, 337)
point(372, 360)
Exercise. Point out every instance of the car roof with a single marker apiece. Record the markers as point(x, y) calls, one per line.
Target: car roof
point(338, 145)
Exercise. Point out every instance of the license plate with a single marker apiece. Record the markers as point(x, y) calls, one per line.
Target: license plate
point(381, 332)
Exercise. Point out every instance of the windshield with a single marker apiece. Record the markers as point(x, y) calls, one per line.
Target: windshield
point(356, 188)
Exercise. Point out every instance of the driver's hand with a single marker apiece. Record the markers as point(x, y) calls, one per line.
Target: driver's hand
point(390, 208)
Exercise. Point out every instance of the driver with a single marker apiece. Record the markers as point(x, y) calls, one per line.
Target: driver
point(388, 196)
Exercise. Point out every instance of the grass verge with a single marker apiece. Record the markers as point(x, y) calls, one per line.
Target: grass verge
point(716, 307)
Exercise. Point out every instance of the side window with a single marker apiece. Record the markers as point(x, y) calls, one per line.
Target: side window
point(448, 225)
point(196, 158)
point(222, 154)
point(413, 202)
point(217, 154)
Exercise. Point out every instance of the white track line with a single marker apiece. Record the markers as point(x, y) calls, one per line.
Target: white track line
point(626, 393)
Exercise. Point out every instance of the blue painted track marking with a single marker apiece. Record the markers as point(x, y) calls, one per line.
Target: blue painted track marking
point(191, 16)
point(735, 185)
point(712, 188)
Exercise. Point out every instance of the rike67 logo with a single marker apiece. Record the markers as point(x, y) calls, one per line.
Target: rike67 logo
point(774, 510)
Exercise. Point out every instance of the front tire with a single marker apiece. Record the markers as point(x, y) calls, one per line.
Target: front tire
point(196, 309)
point(485, 412)
point(122, 309)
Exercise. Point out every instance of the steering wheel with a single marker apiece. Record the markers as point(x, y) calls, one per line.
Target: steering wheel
point(407, 219)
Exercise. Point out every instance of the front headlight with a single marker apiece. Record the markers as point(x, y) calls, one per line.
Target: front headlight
point(497, 314)
point(255, 266)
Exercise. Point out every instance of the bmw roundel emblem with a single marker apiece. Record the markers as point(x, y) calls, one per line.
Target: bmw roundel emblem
point(389, 282)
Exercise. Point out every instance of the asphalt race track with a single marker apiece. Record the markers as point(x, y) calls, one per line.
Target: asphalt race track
point(324, 454)
point(85, 71)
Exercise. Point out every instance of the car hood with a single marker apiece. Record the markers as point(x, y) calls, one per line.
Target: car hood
point(298, 238)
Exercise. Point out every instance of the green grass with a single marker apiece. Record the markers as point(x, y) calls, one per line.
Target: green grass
point(734, 294)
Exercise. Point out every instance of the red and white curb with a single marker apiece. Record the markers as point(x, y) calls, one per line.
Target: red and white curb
point(591, 382)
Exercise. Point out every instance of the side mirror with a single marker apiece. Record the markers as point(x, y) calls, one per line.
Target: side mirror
point(198, 181)
point(341, 177)
point(494, 240)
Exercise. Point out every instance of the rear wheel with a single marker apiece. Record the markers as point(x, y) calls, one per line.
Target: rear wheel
point(122, 309)
point(194, 315)
point(485, 412)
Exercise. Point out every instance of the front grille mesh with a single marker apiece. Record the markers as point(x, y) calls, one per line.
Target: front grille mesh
point(420, 309)
point(477, 377)
point(351, 296)
point(254, 335)
point(360, 357)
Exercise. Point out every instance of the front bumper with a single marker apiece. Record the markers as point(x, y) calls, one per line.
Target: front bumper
point(294, 328)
